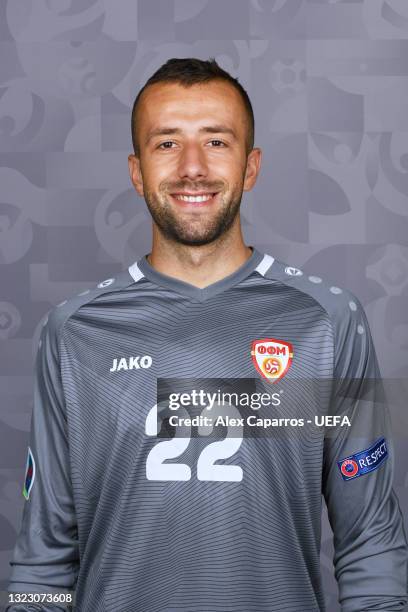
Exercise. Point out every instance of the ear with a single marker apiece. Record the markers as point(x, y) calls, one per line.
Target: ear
point(252, 168)
point(135, 173)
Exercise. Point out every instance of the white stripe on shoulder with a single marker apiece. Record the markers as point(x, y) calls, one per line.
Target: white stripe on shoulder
point(265, 264)
point(135, 272)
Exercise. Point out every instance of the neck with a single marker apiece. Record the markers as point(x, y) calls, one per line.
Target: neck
point(199, 265)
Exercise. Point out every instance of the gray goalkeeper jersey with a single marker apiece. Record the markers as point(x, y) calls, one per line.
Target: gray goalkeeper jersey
point(135, 522)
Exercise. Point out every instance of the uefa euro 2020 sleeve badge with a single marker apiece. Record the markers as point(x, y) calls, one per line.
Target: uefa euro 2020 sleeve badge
point(29, 474)
point(271, 357)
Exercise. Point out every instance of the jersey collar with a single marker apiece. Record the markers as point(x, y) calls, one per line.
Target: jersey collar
point(191, 291)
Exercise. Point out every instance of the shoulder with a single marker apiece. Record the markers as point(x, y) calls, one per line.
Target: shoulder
point(342, 306)
point(55, 319)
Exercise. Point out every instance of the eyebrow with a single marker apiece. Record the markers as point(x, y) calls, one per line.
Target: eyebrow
point(209, 129)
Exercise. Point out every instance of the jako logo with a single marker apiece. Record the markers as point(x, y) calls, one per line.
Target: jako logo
point(132, 363)
point(293, 271)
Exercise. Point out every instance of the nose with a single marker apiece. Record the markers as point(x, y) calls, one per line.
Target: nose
point(192, 162)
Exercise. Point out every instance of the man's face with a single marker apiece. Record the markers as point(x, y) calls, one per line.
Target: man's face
point(193, 164)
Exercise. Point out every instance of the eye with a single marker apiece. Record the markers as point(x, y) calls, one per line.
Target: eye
point(167, 142)
point(219, 142)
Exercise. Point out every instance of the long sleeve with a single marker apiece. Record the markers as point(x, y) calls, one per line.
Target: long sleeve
point(45, 557)
point(370, 557)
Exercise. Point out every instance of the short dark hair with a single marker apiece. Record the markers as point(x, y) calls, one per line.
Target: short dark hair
point(190, 71)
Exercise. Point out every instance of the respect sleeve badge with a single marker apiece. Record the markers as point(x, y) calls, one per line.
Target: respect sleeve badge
point(29, 474)
point(364, 461)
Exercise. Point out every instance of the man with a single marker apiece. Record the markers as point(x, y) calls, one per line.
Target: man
point(137, 523)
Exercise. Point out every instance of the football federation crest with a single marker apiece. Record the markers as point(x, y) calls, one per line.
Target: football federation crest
point(272, 358)
point(29, 474)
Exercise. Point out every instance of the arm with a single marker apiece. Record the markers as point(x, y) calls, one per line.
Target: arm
point(370, 544)
point(45, 557)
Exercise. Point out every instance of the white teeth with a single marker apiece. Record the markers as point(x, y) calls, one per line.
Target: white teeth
point(199, 198)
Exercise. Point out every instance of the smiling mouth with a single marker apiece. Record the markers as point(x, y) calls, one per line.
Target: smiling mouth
point(196, 198)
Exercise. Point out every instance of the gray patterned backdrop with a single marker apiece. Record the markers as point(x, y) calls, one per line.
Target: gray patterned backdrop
point(329, 84)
